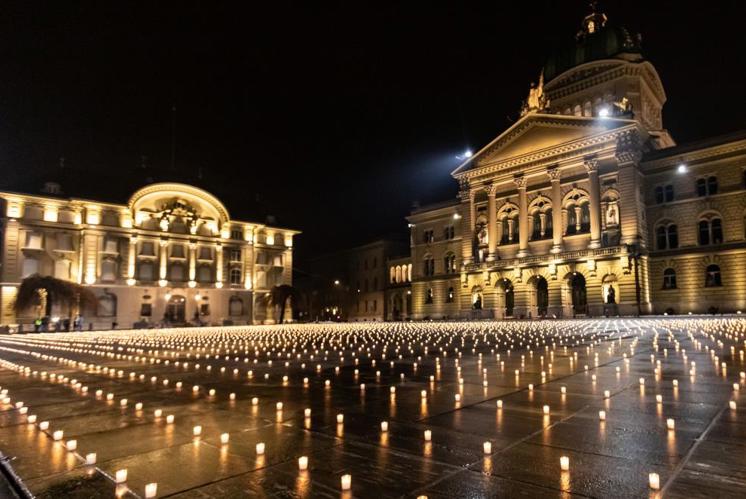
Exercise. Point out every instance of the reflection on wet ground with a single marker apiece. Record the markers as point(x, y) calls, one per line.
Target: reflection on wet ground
point(629, 408)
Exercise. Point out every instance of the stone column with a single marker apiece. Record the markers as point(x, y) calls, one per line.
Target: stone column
point(218, 265)
point(467, 235)
point(192, 262)
point(131, 258)
point(520, 182)
point(591, 165)
point(628, 155)
point(491, 222)
point(162, 274)
point(554, 177)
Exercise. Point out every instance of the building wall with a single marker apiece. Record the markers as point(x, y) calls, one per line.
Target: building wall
point(171, 239)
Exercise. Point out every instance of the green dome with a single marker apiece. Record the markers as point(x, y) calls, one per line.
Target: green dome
point(605, 43)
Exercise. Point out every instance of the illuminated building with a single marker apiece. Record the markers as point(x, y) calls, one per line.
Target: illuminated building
point(585, 205)
point(171, 252)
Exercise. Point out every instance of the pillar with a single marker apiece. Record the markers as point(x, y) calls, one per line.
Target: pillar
point(554, 177)
point(131, 258)
point(591, 165)
point(520, 182)
point(163, 272)
point(491, 222)
point(467, 236)
point(628, 155)
point(192, 263)
point(218, 265)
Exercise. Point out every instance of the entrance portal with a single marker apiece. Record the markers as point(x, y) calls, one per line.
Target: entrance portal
point(176, 309)
point(542, 296)
point(579, 297)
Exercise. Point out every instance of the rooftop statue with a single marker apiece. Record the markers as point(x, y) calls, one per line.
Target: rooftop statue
point(537, 100)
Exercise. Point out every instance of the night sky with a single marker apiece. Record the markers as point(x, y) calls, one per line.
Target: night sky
point(333, 118)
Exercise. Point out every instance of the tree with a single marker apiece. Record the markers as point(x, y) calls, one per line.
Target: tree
point(280, 295)
point(35, 287)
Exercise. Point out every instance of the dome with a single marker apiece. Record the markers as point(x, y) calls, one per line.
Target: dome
point(592, 43)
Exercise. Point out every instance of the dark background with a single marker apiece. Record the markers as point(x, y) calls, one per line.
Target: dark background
point(332, 116)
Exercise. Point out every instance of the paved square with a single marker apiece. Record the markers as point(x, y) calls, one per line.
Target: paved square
point(503, 403)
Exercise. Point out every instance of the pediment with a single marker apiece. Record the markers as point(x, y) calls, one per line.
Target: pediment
point(540, 133)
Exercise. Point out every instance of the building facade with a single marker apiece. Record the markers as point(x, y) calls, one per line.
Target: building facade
point(585, 205)
point(351, 285)
point(171, 254)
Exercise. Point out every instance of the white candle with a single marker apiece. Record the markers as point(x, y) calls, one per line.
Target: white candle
point(428, 435)
point(545, 409)
point(71, 445)
point(32, 417)
point(279, 406)
point(255, 401)
point(158, 413)
point(138, 406)
point(170, 419)
point(731, 404)
point(676, 382)
point(260, 448)
point(121, 476)
point(499, 404)
point(530, 386)
point(565, 463)
point(642, 381)
point(57, 435)
point(151, 490)
point(670, 424)
point(232, 396)
point(346, 482)
point(307, 413)
point(212, 392)
point(423, 394)
point(90, 458)
point(197, 431)
point(487, 447)
point(392, 390)
point(224, 437)
point(655, 481)
point(384, 426)
point(607, 394)
point(563, 389)
point(303, 463)
point(659, 398)
point(602, 415)
point(457, 397)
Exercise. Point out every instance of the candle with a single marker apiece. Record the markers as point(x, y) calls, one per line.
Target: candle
point(731, 404)
point(545, 409)
point(457, 397)
point(121, 476)
point(212, 392)
point(32, 417)
point(487, 447)
point(90, 458)
point(384, 426)
point(428, 435)
point(607, 394)
point(676, 382)
point(307, 413)
point(232, 396)
point(423, 394)
point(655, 481)
point(197, 431)
point(530, 386)
point(642, 381)
point(340, 418)
point(260, 448)
point(346, 482)
point(158, 413)
point(255, 401)
point(565, 463)
point(170, 419)
point(71, 445)
point(659, 398)
point(392, 390)
point(279, 406)
point(499, 404)
point(138, 406)
point(57, 435)
point(563, 389)
point(303, 463)
point(151, 490)
point(602, 415)
point(224, 437)
point(670, 424)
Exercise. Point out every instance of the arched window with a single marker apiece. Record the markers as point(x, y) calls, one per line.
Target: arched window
point(536, 232)
point(235, 306)
point(450, 295)
point(548, 223)
point(585, 217)
point(712, 276)
point(661, 241)
point(666, 237)
point(235, 276)
point(710, 231)
point(428, 266)
point(572, 220)
point(449, 263)
point(107, 305)
point(669, 279)
point(392, 274)
point(429, 296)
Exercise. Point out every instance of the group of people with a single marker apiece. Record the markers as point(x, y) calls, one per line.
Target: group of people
point(45, 323)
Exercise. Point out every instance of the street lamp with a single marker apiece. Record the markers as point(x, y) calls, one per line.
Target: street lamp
point(634, 252)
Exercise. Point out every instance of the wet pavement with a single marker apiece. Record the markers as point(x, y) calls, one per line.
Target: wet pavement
point(670, 392)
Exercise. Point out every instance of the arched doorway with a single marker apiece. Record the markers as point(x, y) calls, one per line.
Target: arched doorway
point(506, 297)
point(396, 307)
point(176, 309)
point(541, 295)
point(476, 298)
point(578, 294)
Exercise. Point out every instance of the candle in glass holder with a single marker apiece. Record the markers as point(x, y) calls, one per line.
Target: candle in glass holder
point(255, 401)
point(71, 445)
point(565, 463)
point(120, 476)
point(224, 438)
point(428, 435)
point(260, 448)
point(499, 404)
point(151, 490)
point(487, 447)
point(670, 424)
point(303, 463)
point(57, 435)
point(340, 418)
point(170, 419)
point(307, 413)
point(602, 415)
point(384, 426)
point(655, 481)
point(545, 409)
point(197, 431)
point(90, 458)
point(731, 404)
point(346, 482)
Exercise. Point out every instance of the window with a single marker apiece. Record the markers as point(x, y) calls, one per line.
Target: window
point(365, 287)
point(107, 305)
point(710, 231)
point(235, 306)
point(204, 309)
point(429, 266)
point(64, 241)
point(111, 246)
point(450, 295)
point(177, 251)
point(659, 195)
point(585, 218)
point(108, 270)
point(235, 276)
point(205, 253)
point(666, 237)
point(449, 263)
point(147, 248)
point(204, 274)
point(449, 232)
point(668, 189)
point(235, 255)
point(429, 296)
point(177, 272)
point(428, 236)
point(669, 279)
point(237, 234)
point(145, 272)
point(146, 310)
point(712, 276)
point(707, 186)
point(375, 284)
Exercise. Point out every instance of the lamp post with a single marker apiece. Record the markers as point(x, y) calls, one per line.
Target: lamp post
point(634, 252)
